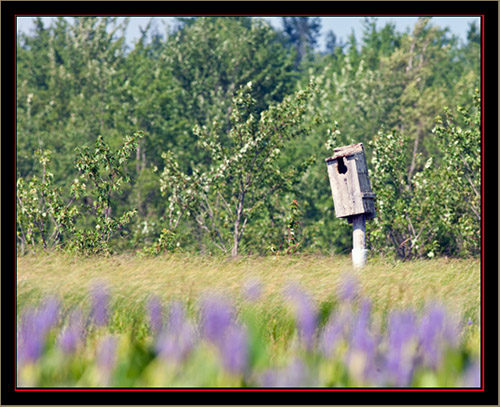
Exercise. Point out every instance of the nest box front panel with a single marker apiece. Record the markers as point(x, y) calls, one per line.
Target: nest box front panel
point(345, 185)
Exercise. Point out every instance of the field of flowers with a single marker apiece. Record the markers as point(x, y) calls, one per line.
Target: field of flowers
point(216, 339)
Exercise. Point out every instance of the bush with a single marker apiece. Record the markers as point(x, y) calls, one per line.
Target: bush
point(437, 208)
point(45, 220)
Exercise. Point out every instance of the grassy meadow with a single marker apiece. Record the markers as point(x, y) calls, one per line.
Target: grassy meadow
point(133, 282)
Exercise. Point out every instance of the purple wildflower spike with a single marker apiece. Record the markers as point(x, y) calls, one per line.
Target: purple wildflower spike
point(48, 314)
point(295, 374)
point(399, 358)
point(234, 350)
point(155, 312)
point(252, 290)
point(362, 353)
point(106, 356)
point(73, 335)
point(178, 337)
point(435, 332)
point(472, 375)
point(100, 304)
point(29, 340)
point(349, 287)
point(217, 314)
point(177, 316)
point(361, 337)
point(305, 314)
point(332, 334)
point(33, 329)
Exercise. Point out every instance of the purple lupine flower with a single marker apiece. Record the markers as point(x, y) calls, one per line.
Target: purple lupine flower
point(348, 289)
point(48, 314)
point(472, 375)
point(270, 378)
point(34, 328)
point(217, 314)
point(305, 314)
point(178, 337)
point(402, 330)
point(176, 346)
point(234, 349)
point(252, 290)
point(106, 355)
point(332, 334)
point(295, 374)
point(435, 332)
point(155, 312)
point(361, 355)
point(73, 335)
point(361, 337)
point(106, 358)
point(176, 316)
point(99, 312)
point(29, 341)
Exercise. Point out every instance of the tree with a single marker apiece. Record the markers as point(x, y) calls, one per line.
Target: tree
point(243, 174)
point(189, 80)
point(459, 138)
point(420, 75)
point(45, 219)
point(473, 33)
point(438, 209)
point(302, 33)
point(211, 58)
point(378, 43)
point(68, 88)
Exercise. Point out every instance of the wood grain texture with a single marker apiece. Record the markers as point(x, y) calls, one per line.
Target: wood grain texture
point(349, 182)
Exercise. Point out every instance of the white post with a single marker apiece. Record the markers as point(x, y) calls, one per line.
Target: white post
point(358, 241)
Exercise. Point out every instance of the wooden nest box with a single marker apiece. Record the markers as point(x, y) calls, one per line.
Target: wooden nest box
point(351, 190)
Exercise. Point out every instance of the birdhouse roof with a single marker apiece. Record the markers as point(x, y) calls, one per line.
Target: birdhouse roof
point(346, 151)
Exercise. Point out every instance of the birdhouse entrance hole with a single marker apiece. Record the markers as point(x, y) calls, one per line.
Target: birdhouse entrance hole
point(341, 168)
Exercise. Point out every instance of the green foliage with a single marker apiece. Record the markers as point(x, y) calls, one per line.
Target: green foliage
point(43, 217)
point(77, 78)
point(166, 243)
point(244, 173)
point(436, 209)
point(68, 87)
point(460, 175)
point(291, 239)
point(209, 60)
point(302, 34)
point(103, 171)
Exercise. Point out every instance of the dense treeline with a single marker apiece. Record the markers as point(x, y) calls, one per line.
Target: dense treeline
point(211, 136)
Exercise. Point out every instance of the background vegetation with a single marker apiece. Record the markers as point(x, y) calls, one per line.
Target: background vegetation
point(211, 138)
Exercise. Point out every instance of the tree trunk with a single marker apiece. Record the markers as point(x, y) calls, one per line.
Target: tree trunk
point(237, 234)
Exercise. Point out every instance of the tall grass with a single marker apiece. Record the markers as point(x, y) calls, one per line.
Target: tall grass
point(136, 285)
point(389, 284)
